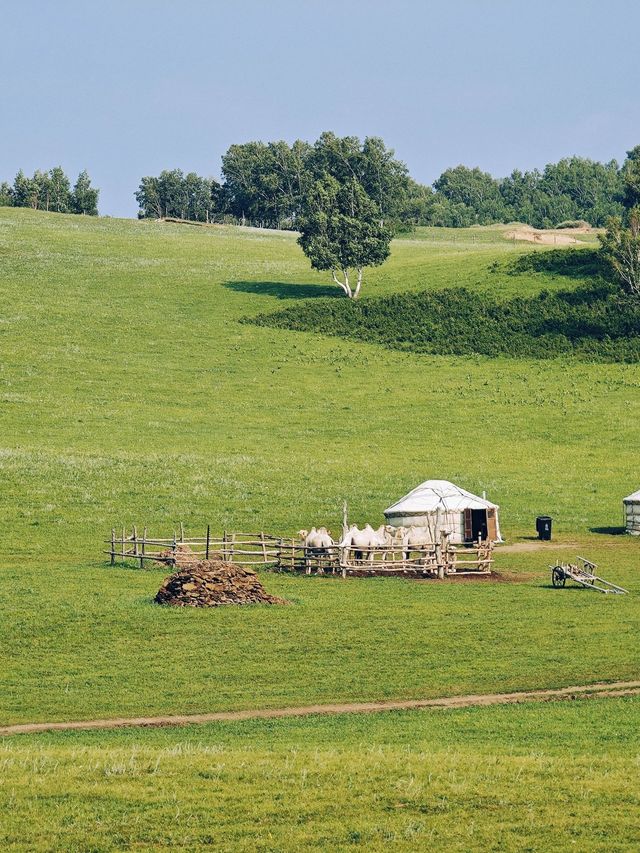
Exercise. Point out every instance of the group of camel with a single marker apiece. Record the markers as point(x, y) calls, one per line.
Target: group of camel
point(362, 544)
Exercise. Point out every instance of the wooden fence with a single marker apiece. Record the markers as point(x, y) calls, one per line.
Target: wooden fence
point(243, 549)
point(291, 555)
point(430, 560)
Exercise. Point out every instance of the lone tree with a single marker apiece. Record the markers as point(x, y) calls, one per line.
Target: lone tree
point(620, 248)
point(620, 244)
point(340, 230)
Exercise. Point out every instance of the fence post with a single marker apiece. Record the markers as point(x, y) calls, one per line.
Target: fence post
point(264, 547)
point(208, 540)
point(181, 532)
point(123, 548)
point(233, 539)
point(134, 539)
point(174, 548)
point(113, 546)
point(144, 542)
point(439, 563)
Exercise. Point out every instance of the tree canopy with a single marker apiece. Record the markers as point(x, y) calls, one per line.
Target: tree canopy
point(341, 230)
point(620, 244)
point(264, 184)
point(51, 191)
point(176, 195)
point(620, 248)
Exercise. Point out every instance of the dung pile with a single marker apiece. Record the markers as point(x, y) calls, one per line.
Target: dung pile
point(211, 583)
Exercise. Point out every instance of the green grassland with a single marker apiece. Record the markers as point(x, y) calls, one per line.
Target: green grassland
point(551, 777)
point(131, 394)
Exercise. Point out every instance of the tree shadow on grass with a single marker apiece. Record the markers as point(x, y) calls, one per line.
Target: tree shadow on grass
point(608, 531)
point(283, 290)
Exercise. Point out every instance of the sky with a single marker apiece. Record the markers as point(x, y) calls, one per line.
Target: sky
point(126, 88)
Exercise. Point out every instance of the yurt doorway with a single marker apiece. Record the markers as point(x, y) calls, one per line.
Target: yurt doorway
point(475, 525)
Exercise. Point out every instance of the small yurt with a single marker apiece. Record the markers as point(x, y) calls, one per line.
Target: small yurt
point(441, 506)
point(632, 513)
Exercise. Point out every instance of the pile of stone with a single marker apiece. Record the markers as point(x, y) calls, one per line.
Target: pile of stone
point(211, 583)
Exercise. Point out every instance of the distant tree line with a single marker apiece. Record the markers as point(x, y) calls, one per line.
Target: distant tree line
point(178, 196)
point(573, 189)
point(51, 191)
point(265, 183)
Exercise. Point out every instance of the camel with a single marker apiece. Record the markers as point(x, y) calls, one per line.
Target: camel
point(364, 542)
point(418, 539)
point(395, 534)
point(394, 539)
point(316, 538)
point(317, 543)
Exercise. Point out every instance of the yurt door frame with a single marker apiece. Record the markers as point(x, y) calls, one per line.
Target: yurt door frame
point(479, 523)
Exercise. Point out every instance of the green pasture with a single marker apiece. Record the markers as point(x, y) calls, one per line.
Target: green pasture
point(130, 393)
point(551, 777)
point(85, 641)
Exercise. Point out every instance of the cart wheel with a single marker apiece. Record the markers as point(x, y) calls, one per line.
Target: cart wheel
point(558, 577)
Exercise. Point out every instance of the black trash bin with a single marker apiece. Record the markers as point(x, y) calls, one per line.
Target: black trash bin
point(543, 526)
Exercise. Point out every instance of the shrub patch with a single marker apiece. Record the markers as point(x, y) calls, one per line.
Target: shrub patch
point(594, 322)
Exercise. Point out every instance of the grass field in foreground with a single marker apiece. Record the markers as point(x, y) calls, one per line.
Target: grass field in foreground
point(519, 778)
point(96, 646)
point(130, 393)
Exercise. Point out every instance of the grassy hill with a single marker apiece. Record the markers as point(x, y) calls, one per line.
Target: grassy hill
point(131, 393)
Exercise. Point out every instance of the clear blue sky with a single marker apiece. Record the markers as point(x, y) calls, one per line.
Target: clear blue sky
point(125, 88)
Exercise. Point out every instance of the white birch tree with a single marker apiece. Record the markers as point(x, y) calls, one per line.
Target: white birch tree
point(341, 231)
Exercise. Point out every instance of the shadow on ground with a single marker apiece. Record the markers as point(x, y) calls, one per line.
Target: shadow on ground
point(283, 290)
point(608, 531)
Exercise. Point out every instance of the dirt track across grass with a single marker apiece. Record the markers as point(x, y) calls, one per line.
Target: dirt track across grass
point(586, 691)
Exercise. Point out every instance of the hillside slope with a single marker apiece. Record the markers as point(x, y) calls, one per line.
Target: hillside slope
point(130, 393)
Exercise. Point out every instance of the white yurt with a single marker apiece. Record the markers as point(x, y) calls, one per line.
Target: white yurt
point(631, 506)
point(442, 506)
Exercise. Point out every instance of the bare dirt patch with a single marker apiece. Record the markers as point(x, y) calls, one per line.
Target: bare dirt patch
point(550, 238)
point(492, 577)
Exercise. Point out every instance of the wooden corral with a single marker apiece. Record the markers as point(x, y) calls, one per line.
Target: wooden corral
point(430, 560)
point(291, 555)
point(243, 549)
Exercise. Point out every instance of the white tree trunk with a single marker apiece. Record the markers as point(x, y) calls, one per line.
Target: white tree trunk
point(358, 283)
point(343, 284)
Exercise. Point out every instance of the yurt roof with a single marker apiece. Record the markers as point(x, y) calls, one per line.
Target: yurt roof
point(437, 494)
point(632, 498)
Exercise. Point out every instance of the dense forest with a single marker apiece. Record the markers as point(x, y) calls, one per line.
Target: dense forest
point(265, 184)
point(51, 191)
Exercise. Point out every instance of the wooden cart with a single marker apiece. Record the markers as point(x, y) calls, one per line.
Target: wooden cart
point(583, 573)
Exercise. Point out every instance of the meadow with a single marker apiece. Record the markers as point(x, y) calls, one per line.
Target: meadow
point(131, 392)
point(550, 777)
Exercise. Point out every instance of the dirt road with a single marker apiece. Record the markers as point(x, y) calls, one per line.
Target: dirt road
point(616, 688)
